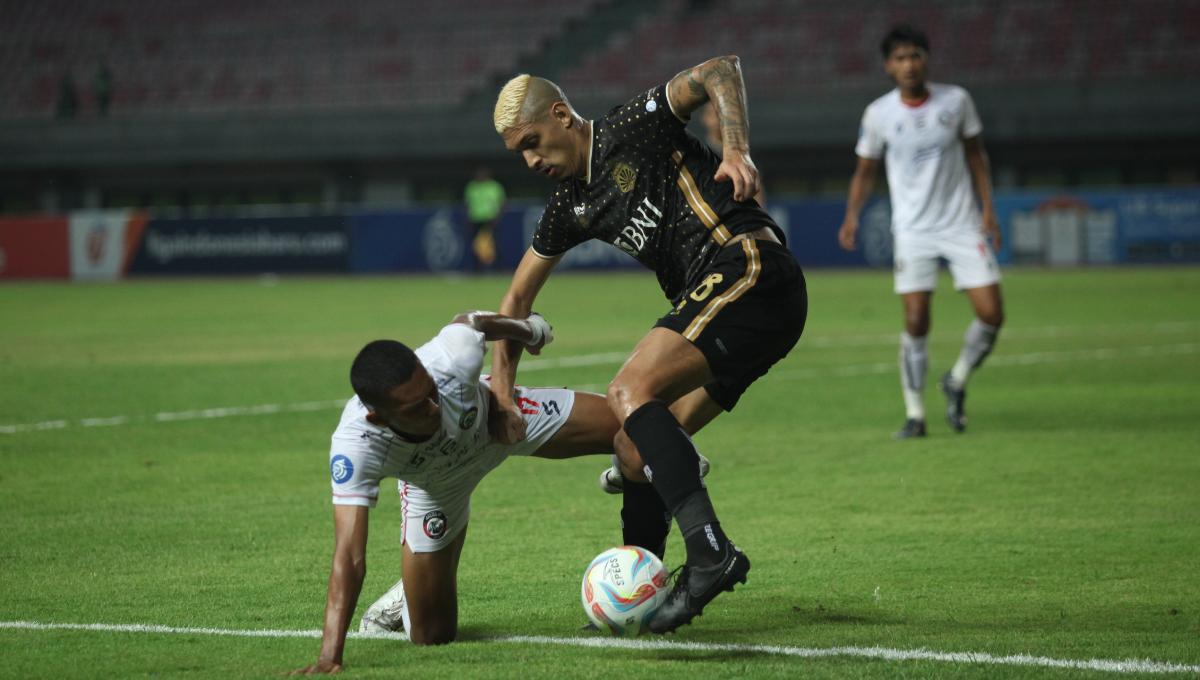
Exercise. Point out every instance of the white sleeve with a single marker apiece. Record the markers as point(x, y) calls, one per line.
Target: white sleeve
point(352, 482)
point(870, 142)
point(972, 126)
point(466, 347)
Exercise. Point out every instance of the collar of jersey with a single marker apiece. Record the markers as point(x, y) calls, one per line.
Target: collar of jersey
point(591, 145)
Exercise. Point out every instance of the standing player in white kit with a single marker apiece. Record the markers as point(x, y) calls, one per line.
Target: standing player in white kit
point(929, 134)
point(423, 417)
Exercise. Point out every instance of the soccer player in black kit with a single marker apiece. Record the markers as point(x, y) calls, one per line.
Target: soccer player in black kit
point(637, 179)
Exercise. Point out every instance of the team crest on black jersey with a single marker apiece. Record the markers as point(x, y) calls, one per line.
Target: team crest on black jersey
point(625, 177)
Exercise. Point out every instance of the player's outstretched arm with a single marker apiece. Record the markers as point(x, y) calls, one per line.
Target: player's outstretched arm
point(345, 583)
point(861, 185)
point(534, 332)
point(981, 178)
point(527, 282)
point(719, 80)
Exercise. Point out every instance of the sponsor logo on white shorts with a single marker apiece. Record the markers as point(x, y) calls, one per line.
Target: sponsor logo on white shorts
point(341, 469)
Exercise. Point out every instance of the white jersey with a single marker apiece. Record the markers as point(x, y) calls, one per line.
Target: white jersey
point(361, 454)
point(927, 171)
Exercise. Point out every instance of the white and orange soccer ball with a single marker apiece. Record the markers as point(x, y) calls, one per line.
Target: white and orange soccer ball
point(622, 588)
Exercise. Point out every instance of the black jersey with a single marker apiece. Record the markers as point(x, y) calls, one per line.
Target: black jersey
point(649, 191)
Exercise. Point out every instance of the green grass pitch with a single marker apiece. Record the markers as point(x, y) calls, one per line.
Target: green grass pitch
point(1064, 524)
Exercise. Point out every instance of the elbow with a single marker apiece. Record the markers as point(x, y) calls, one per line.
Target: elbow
point(470, 319)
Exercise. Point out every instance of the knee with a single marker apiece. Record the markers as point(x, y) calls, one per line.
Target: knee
point(916, 324)
point(622, 398)
point(432, 635)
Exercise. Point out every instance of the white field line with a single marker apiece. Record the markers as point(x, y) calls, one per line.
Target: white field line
point(601, 359)
point(884, 653)
point(1031, 333)
point(609, 358)
point(173, 416)
point(1026, 359)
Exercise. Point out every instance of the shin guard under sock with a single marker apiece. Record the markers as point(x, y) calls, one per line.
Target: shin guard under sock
point(672, 465)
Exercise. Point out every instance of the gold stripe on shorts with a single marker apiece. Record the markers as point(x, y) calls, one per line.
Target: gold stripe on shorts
point(687, 184)
point(753, 268)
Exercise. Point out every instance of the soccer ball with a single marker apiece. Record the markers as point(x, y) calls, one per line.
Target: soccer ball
point(622, 588)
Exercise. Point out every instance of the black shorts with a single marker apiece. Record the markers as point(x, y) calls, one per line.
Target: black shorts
point(746, 314)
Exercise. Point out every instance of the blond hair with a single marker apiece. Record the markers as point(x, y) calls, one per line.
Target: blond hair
point(510, 102)
point(524, 99)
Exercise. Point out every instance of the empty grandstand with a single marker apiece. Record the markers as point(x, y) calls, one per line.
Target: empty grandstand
point(216, 102)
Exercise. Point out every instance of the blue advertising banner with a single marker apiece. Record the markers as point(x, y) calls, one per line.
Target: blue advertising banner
point(1059, 228)
point(1044, 228)
point(244, 245)
point(439, 240)
point(421, 240)
point(1040, 228)
point(812, 228)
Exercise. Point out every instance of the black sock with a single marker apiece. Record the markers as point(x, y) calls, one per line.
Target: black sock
point(673, 467)
point(645, 521)
point(701, 531)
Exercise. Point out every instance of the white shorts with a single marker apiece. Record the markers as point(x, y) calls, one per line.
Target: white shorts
point(433, 516)
point(972, 262)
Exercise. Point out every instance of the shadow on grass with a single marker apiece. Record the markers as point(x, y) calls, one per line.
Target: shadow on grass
point(818, 614)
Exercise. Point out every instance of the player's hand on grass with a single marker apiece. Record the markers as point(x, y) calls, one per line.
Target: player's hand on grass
point(737, 167)
point(319, 668)
point(847, 234)
point(505, 423)
point(991, 230)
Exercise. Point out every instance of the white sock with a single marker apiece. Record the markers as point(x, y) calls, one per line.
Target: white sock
point(914, 359)
point(977, 344)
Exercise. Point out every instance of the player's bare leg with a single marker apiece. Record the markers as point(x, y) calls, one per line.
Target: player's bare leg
point(663, 368)
point(693, 410)
point(914, 362)
point(431, 592)
point(978, 342)
point(589, 429)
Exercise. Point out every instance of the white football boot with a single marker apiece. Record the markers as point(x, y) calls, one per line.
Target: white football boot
point(612, 482)
point(386, 615)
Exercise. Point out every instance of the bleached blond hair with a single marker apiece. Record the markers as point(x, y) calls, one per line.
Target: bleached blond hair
point(523, 99)
point(509, 102)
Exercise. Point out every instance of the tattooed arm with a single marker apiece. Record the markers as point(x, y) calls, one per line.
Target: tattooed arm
point(719, 80)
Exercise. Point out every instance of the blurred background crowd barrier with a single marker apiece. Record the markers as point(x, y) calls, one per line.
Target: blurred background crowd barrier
point(1116, 227)
point(214, 121)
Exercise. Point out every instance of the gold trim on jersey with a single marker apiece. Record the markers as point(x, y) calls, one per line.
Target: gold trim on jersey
point(687, 184)
point(753, 268)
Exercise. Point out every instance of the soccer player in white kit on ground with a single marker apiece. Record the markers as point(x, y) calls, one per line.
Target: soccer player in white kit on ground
point(425, 417)
point(930, 135)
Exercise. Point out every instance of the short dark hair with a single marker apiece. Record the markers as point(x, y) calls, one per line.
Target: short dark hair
point(903, 34)
point(381, 366)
